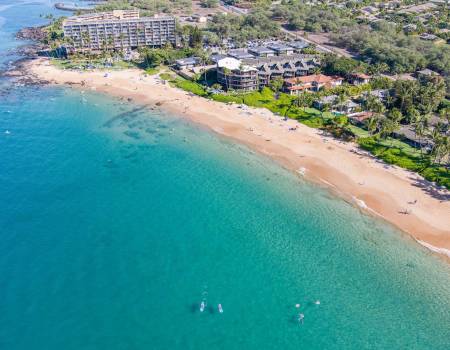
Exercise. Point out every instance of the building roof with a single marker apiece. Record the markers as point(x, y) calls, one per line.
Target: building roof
point(360, 116)
point(314, 78)
point(113, 16)
point(216, 57)
point(419, 8)
point(187, 61)
point(428, 36)
point(280, 47)
point(299, 44)
point(428, 72)
point(233, 64)
point(273, 59)
point(240, 54)
point(379, 93)
point(261, 50)
point(360, 76)
point(328, 99)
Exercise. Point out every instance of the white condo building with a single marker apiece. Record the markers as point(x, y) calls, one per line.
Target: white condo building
point(119, 29)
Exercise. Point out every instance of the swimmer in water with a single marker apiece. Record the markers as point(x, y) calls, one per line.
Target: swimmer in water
point(301, 318)
point(202, 306)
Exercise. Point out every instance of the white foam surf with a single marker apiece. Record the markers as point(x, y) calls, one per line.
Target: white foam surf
point(435, 249)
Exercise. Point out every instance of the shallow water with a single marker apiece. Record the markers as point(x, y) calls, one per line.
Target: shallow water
point(116, 222)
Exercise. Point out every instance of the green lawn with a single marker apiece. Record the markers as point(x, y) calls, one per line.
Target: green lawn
point(84, 63)
point(396, 152)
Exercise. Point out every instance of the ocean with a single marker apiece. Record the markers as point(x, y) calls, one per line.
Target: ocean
point(116, 222)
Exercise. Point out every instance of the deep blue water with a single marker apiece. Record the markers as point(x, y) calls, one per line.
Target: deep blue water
point(115, 222)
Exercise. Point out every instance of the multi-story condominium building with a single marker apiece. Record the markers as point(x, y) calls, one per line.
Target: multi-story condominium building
point(287, 66)
point(267, 68)
point(232, 74)
point(119, 29)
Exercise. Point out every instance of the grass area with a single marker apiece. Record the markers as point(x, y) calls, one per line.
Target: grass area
point(357, 131)
point(152, 70)
point(403, 155)
point(190, 86)
point(89, 64)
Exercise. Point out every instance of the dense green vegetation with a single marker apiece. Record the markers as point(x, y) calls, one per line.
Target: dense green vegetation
point(396, 154)
point(383, 43)
point(300, 16)
point(256, 25)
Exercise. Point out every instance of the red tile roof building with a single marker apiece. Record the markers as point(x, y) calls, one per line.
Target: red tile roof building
point(313, 82)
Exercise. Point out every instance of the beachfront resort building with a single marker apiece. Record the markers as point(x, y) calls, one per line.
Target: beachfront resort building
point(119, 29)
point(268, 68)
point(232, 74)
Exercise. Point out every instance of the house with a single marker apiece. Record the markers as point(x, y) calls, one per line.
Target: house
point(380, 94)
point(216, 57)
point(325, 101)
point(359, 118)
point(428, 37)
point(313, 82)
point(407, 134)
point(261, 51)
point(409, 28)
point(416, 9)
point(370, 9)
point(347, 107)
point(232, 74)
point(426, 73)
point(187, 63)
point(299, 45)
point(359, 78)
point(199, 18)
point(390, 5)
point(281, 49)
point(240, 54)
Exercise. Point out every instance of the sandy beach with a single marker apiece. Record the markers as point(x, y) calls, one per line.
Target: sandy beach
point(401, 197)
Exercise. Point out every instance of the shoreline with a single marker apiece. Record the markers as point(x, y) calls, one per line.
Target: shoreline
point(376, 188)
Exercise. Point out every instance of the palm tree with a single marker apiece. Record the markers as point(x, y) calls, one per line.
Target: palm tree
point(276, 84)
point(325, 108)
point(372, 125)
point(420, 128)
point(203, 59)
point(342, 98)
point(302, 99)
point(226, 73)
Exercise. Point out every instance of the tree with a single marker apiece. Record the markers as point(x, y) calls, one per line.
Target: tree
point(341, 99)
point(372, 125)
point(203, 56)
point(195, 37)
point(304, 99)
point(226, 72)
point(395, 115)
point(210, 3)
point(276, 84)
point(420, 127)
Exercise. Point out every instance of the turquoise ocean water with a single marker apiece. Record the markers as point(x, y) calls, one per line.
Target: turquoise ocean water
point(116, 222)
